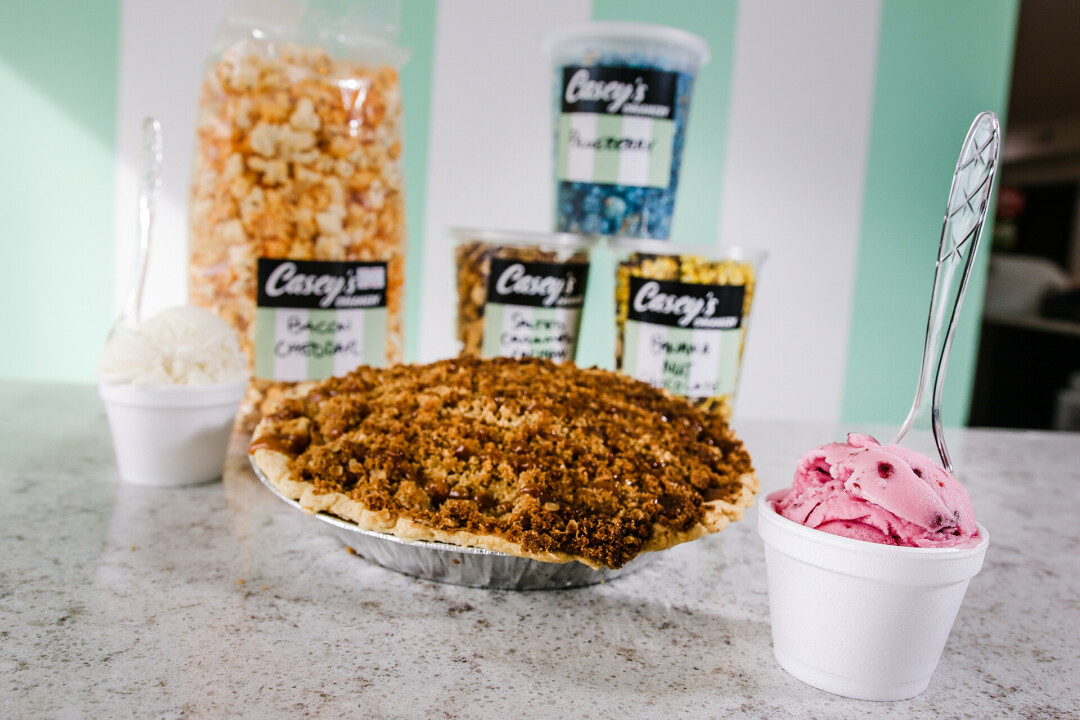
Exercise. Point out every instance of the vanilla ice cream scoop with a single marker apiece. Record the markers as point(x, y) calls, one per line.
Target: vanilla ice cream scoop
point(183, 345)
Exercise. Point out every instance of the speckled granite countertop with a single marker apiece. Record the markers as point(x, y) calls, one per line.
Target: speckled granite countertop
point(222, 601)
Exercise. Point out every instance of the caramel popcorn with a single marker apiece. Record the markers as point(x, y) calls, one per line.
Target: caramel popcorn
point(298, 157)
point(685, 297)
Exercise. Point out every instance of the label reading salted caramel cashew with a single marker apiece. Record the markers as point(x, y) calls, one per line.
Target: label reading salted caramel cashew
point(684, 337)
point(533, 309)
point(315, 319)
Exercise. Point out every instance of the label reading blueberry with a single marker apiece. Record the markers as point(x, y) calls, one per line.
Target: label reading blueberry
point(315, 319)
point(684, 337)
point(617, 126)
point(533, 309)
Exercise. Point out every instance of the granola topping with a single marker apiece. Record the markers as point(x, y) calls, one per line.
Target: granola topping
point(553, 458)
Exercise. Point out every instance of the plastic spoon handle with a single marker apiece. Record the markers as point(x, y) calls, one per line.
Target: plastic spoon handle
point(965, 215)
point(149, 181)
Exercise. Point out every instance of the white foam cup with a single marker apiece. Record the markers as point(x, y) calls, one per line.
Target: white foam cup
point(173, 435)
point(857, 618)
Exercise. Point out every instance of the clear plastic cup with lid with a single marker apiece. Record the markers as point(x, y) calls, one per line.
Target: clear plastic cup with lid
point(520, 294)
point(682, 313)
point(622, 104)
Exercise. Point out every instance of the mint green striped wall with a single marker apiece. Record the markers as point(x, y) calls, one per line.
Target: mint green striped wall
point(58, 79)
point(939, 65)
point(697, 208)
point(417, 34)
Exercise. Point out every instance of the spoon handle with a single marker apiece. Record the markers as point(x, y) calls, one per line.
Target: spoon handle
point(961, 230)
point(149, 181)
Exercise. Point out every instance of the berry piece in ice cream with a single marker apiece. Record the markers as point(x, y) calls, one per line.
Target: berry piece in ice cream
point(879, 493)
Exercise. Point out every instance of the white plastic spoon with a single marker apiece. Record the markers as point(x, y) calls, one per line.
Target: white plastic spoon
point(149, 181)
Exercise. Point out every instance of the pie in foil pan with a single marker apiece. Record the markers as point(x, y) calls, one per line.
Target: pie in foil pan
point(459, 565)
point(504, 472)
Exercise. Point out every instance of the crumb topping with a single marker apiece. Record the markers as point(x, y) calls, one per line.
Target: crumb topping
point(553, 457)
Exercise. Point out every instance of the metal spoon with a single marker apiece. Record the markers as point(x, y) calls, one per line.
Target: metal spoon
point(965, 214)
point(149, 182)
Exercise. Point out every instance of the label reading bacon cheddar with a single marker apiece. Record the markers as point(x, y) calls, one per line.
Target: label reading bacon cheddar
point(316, 319)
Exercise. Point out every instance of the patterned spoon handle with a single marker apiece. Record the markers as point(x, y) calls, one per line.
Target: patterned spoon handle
point(961, 230)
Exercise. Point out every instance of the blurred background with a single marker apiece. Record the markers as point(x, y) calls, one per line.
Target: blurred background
point(825, 133)
point(1027, 371)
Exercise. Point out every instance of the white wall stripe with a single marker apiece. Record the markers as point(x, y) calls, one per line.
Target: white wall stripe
point(801, 105)
point(490, 143)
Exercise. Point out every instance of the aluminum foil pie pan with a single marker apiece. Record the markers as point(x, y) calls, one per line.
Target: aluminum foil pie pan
point(457, 565)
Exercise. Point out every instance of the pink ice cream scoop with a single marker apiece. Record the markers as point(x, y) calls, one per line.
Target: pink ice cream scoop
point(883, 494)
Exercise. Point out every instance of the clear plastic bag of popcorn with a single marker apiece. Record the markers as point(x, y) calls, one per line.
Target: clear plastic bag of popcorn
point(297, 211)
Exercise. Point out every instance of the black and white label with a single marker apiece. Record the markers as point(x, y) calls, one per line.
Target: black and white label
point(606, 90)
point(686, 305)
point(617, 126)
point(684, 337)
point(533, 309)
point(537, 284)
point(317, 284)
point(315, 319)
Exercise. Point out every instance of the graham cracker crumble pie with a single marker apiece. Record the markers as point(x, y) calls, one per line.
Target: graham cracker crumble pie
point(521, 456)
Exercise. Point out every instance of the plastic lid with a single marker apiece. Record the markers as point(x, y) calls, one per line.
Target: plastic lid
point(632, 31)
point(522, 238)
point(753, 256)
